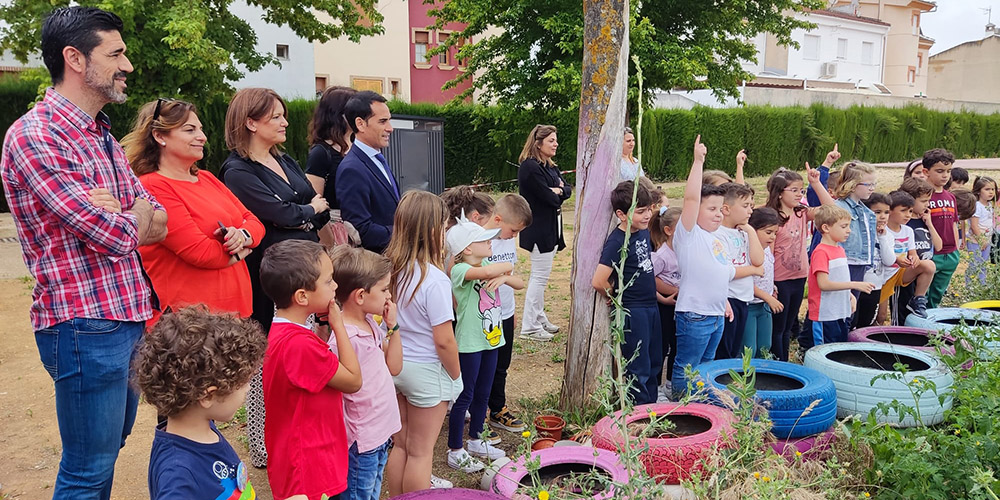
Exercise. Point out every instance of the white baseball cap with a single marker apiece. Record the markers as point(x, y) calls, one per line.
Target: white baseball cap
point(465, 233)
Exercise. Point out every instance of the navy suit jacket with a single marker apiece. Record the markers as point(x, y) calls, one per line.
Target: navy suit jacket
point(366, 198)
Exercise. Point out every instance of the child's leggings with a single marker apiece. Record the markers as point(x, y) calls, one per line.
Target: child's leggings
point(478, 369)
point(790, 294)
point(757, 333)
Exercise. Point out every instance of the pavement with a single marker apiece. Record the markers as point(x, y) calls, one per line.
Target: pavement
point(11, 262)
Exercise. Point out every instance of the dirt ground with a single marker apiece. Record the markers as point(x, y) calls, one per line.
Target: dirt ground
point(29, 437)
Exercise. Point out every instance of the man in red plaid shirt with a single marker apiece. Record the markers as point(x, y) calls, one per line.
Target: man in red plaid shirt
point(80, 215)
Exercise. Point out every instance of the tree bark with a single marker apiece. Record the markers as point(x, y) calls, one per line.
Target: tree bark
point(599, 148)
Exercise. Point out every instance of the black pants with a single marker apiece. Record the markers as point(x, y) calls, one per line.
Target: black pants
point(790, 294)
point(867, 308)
point(900, 299)
point(731, 345)
point(498, 394)
point(263, 307)
point(668, 329)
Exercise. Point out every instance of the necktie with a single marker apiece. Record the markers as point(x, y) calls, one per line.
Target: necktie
point(387, 171)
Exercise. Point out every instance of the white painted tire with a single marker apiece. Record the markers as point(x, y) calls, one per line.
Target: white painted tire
point(854, 366)
point(945, 319)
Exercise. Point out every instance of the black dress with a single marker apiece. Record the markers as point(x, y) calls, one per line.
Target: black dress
point(534, 182)
point(322, 162)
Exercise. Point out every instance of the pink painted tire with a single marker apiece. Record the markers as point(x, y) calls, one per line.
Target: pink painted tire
point(908, 336)
point(672, 460)
point(449, 494)
point(811, 447)
point(554, 461)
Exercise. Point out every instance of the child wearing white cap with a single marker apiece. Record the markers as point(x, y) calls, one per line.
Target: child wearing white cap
point(479, 333)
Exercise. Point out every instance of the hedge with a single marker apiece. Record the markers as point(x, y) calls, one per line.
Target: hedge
point(482, 143)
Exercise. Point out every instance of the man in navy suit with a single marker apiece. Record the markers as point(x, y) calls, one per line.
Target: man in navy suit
point(366, 189)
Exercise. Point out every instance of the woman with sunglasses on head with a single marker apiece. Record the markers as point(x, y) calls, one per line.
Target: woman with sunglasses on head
point(209, 232)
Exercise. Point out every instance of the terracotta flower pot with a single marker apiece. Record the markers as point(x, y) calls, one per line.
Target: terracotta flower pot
point(549, 426)
point(543, 443)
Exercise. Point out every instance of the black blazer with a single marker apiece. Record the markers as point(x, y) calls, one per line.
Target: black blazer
point(533, 182)
point(366, 198)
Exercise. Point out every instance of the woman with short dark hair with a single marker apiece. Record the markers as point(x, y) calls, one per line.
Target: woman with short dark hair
point(331, 137)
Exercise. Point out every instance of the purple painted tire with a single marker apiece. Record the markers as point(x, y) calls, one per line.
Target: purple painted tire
point(672, 460)
point(448, 493)
point(811, 447)
point(510, 476)
point(908, 336)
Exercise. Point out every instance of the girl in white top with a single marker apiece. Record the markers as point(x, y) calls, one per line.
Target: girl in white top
point(982, 224)
point(630, 168)
point(431, 376)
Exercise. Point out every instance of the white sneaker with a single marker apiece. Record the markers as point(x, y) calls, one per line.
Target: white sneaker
point(438, 483)
point(483, 449)
point(464, 462)
point(549, 327)
point(539, 335)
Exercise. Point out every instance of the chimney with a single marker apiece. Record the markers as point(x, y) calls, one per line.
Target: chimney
point(991, 30)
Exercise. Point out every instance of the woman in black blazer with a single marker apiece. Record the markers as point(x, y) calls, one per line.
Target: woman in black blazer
point(540, 183)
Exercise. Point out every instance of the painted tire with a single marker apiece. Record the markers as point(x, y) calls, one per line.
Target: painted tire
point(944, 319)
point(509, 477)
point(671, 460)
point(991, 305)
point(906, 336)
point(448, 493)
point(785, 405)
point(810, 447)
point(853, 367)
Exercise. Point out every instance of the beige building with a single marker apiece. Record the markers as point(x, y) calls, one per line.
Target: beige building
point(906, 48)
point(967, 72)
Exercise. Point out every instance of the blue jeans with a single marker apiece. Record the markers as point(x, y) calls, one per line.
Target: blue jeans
point(364, 472)
point(89, 361)
point(828, 332)
point(698, 337)
point(643, 340)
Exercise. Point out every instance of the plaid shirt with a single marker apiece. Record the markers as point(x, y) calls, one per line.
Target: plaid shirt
point(83, 258)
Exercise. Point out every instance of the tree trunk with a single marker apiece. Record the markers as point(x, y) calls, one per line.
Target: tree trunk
point(599, 148)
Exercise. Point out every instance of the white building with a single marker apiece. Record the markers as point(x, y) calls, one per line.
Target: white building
point(295, 77)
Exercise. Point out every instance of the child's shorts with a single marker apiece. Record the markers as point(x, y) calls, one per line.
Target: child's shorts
point(826, 332)
point(426, 385)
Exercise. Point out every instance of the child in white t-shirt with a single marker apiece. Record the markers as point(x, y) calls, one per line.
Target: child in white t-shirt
point(921, 271)
point(743, 249)
point(702, 304)
point(982, 226)
point(873, 307)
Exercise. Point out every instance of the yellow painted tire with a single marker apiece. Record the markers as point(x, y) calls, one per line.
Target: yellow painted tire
point(992, 305)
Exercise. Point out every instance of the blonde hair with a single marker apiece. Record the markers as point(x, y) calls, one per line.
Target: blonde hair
point(249, 104)
point(140, 146)
point(715, 177)
point(514, 209)
point(850, 176)
point(829, 215)
point(534, 142)
point(416, 240)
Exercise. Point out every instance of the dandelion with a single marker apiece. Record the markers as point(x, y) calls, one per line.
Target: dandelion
point(765, 479)
point(700, 384)
point(868, 495)
point(543, 495)
point(652, 414)
point(798, 454)
point(756, 475)
point(526, 434)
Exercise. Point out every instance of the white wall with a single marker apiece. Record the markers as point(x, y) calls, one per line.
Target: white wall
point(851, 67)
point(295, 78)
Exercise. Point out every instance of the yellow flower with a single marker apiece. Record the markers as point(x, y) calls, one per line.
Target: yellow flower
point(978, 443)
point(526, 434)
point(766, 479)
point(756, 475)
point(652, 414)
point(958, 431)
point(798, 453)
point(543, 495)
point(700, 384)
point(868, 495)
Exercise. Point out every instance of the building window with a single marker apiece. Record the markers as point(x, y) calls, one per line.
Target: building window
point(810, 47)
point(281, 52)
point(462, 63)
point(364, 83)
point(421, 40)
point(915, 22)
point(867, 52)
point(394, 88)
point(911, 75)
point(841, 48)
point(444, 58)
point(920, 61)
point(321, 84)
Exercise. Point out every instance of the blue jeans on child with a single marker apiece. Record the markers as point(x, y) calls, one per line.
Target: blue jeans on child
point(642, 335)
point(364, 472)
point(89, 360)
point(697, 339)
point(478, 369)
point(826, 332)
point(757, 334)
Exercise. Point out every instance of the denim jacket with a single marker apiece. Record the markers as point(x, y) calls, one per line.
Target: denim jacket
point(860, 245)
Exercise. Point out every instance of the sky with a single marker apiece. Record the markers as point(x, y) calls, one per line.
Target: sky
point(958, 21)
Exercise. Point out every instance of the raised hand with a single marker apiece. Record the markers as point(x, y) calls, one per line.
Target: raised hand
point(741, 158)
point(700, 151)
point(812, 174)
point(832, 156)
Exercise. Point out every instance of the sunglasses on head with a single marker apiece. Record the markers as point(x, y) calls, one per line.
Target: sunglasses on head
point(159, 103)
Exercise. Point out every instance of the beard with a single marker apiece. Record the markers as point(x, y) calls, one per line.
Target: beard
point(106, 88)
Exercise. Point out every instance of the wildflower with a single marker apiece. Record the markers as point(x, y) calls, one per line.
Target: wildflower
point(652, 414)
point(766, 479)
point(798, 454)
point(756, 475)
point(543, 495)
point(978, 443)
point(526, 434)
point(958, 432)
point(868, 495)
point(700, 384)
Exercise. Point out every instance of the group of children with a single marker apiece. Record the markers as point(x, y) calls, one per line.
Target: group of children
point(719, 275)
point(397, 337)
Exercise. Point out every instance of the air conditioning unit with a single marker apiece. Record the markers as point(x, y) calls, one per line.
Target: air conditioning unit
point(829, 70)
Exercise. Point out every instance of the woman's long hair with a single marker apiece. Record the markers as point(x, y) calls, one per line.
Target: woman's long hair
point(417, 231)
point(534, 143)
point(141, 148)
point(328, 122)
point(779, 181)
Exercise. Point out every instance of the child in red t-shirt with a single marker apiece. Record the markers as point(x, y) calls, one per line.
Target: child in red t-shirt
point(303, 380)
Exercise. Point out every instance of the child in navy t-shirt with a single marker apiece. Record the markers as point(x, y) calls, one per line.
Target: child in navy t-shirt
point(195, 368)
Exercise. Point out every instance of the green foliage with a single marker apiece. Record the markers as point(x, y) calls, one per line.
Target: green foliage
point(535, 57)
point(192, 50)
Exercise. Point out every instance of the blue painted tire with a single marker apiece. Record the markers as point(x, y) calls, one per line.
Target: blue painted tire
point(785, 390)
point(858, 371)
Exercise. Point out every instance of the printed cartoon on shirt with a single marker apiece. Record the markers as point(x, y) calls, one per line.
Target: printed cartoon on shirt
point(489, 311)
point(234, 482)
point(719, 252)
point(642, 255)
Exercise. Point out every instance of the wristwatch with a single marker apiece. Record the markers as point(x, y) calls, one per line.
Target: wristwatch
point(246, 235)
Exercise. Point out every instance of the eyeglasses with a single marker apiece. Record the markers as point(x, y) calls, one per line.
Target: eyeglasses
point(159, 102)
point(868, 184)
point(795, 190)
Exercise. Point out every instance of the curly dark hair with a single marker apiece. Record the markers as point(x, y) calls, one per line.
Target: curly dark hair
point(192, 349)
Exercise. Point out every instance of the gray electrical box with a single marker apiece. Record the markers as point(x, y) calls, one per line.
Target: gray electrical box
point(416, 153)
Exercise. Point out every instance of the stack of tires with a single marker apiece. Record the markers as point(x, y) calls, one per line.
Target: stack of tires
point(866, 374)
point(698, 431)
point(944, 319)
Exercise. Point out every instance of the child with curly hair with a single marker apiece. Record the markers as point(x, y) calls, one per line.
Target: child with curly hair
point(195, 368)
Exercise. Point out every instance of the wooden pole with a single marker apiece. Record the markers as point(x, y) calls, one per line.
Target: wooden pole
point(603, 101)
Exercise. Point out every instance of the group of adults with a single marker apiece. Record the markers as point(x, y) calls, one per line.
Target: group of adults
point(116, 233)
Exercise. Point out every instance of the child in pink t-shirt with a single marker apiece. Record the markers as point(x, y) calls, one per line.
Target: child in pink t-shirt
point(371, 415)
